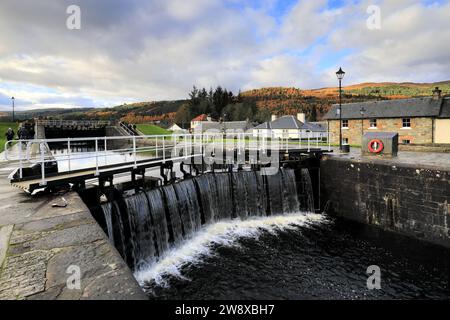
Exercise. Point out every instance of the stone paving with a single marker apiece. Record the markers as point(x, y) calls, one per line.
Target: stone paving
point(425, 160)
point(40, 245)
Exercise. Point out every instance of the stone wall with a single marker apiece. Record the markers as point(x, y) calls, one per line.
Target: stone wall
point(421, 130)
point(40, 244)
point(116, 131)
point(409, 200)
point(430, 147)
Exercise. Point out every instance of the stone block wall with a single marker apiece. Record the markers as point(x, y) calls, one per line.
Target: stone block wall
point(409, 200)
point(421, 130)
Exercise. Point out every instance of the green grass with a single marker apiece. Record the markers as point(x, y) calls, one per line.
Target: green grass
point(3, 128)
point(149, 129)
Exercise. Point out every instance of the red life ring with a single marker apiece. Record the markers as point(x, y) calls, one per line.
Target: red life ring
point(378, 146)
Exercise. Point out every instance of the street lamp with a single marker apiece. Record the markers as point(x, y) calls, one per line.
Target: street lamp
point(340, 75)
point(12, 98)
point(224, 125)
point(362, 110)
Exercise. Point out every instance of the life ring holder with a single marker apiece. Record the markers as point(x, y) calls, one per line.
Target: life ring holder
point(378, 143)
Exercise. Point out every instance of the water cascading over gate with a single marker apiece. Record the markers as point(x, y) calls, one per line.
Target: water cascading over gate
point(145, 225)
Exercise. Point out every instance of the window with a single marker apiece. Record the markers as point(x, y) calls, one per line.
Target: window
point(345, 124)
point(344, 140)
point(406, 141)
point(373, 123)
point(406, 123)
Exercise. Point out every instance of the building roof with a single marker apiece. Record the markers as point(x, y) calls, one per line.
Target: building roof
point(202, 117)
point(414, 107)
point(285, 122)
point(315, 126)
point(177, 125)
point(291, 122)
point(445, 109)
point(227, 125)
point(167, 125)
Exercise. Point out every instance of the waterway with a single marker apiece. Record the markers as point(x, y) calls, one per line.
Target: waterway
point(323, 258)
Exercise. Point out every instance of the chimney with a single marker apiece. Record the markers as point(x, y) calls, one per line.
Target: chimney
point(273, 118)
point(437, 93)
point(301, 117)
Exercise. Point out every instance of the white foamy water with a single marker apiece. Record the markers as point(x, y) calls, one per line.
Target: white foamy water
point(223, 233)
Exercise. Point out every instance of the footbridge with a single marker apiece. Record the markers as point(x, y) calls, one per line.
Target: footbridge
point(52, 162)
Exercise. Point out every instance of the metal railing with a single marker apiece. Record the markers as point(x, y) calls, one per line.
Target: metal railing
point(129, 131)
point(84, 153)
point(73, 122)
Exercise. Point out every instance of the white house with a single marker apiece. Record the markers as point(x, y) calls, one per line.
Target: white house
point(176, 128)
point(291, 127)
point(199, 119)
point(223, 126)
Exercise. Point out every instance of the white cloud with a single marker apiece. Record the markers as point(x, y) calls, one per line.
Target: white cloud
point(306, 23)
point(413, 44)
point(283, 70)
point(152, 50)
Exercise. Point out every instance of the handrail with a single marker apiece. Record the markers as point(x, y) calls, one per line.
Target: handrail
point(127, 129)
point(151, 147)
point(72, 122)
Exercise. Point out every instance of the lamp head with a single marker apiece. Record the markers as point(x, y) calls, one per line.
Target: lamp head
point(340, 74)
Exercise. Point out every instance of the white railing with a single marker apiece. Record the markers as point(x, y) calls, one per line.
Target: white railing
point(102, 152)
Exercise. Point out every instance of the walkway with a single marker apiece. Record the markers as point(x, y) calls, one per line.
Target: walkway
point(38, 243)
point(431, 160)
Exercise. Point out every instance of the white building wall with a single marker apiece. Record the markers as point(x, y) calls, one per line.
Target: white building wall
point(289, 133)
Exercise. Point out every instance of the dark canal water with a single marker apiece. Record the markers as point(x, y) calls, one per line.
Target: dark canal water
point(319, 259)
point(243, 235)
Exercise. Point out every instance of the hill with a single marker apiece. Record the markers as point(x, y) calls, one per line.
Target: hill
point(316, 102)
point(274, 100)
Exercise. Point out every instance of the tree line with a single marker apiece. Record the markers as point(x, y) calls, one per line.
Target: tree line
point(220, 104)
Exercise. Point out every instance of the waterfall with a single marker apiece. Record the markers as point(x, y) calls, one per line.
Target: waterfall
point(188, 205)
point(207, 192)
point(144, 226)
point(248, 194)
point(289, 194)
point(274, 188)
point(307, 191)
point(120, 231)
point(224, 196)
point(240, 205)
point(175, 227)
point(261, 195)
point(107, 211)
point(158, 214)
point(251, 193)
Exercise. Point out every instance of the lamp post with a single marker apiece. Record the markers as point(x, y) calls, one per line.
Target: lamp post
point(12, 99)
point(224, 125)
point(340, 75)
point(362, 110)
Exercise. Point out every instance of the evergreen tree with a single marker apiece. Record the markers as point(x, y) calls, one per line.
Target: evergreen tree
point(194, 100)
point(183, 115)
point(313, 116)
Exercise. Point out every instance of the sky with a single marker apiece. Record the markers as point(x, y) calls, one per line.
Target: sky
point(126, 51)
